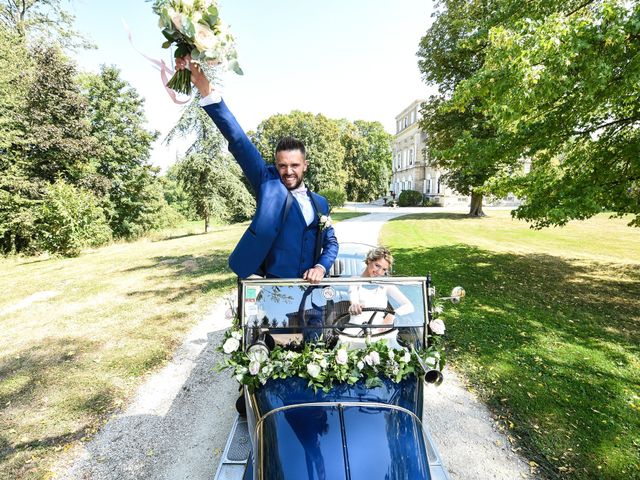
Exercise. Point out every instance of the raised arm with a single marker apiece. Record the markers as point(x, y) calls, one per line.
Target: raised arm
point(245, 152)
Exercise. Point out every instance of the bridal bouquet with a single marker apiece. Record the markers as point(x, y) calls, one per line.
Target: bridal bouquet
point(195, 29)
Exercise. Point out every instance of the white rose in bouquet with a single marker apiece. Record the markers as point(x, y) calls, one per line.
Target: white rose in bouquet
point(205, 40)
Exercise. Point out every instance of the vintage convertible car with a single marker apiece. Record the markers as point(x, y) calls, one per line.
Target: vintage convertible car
point(328, 394)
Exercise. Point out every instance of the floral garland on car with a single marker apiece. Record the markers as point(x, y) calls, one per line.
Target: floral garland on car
point(323, 366)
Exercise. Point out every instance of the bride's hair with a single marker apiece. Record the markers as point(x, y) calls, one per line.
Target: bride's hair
point(378, 253)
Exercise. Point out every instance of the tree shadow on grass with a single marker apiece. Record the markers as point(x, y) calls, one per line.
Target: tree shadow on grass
point(24, 378)
point(548, 342)
point(178, 237)
point(204, 273)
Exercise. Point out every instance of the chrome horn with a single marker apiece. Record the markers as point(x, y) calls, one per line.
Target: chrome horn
point(431, 375)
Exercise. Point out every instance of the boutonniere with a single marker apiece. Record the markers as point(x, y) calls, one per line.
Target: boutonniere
point(324, 222)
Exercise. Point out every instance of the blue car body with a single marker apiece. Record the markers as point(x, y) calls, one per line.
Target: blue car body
point(351, 432)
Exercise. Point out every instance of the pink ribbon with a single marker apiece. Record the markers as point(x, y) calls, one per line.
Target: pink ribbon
point(165, 71)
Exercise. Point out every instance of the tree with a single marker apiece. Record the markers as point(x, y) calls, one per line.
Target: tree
point(69, 219)
point(13, 89)
point(46, 139)
point(321, 137)
point(123, 175)
point(213, 188)
point(564, 91)
point(212, 180)
point(461, 142)
point(551, 82)
point(58, 140)
point(41, 20)
point(367, 159)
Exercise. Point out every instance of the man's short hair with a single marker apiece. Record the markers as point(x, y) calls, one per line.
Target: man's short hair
point(289, 143)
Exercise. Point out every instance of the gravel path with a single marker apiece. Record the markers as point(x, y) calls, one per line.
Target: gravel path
point(177, 425)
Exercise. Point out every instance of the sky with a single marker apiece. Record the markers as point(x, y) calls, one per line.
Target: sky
point(353, 59)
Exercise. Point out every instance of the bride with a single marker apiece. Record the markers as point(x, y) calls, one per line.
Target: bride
point(378, 262)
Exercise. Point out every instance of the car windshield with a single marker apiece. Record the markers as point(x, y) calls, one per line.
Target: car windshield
point(292, 310)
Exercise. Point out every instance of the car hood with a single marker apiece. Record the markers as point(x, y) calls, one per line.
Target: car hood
point(347, 440)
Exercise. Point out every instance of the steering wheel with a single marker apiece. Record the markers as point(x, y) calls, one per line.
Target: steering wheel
point(342, 322)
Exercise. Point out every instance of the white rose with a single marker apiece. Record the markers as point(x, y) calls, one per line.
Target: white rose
point(341, 357)
point(438, 309)
point(237, 334)
point(391, 354)
point(178, 20)
point(430, 361)
point(204, 39)
point(406, 357)
point(375, 358)
point(437, 327)
point(360, 365)
point(313, 370)
point(231, 345)
point(290, 355)
point(187, 3)
point(254, 368)
point(196, 17)
point(323, 363)
point(372, 358)
point(239, 377)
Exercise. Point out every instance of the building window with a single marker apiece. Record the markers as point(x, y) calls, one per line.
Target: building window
point(413, 117)
point(411, 157)
point(439, 187)
point(429, 182)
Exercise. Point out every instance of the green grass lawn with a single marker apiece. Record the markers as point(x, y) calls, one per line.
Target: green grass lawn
point(94, 326)
point(549, 334)
point(336, 216)
point(78, 334)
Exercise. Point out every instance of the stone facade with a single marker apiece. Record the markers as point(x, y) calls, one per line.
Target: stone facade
point(411, 169)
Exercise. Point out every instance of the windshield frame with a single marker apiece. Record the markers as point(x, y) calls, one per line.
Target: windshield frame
point(244, 284)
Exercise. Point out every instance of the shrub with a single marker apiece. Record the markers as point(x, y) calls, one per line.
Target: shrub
point(335, 197)
point(410, 198)
point(69, 219)
point(431, 203)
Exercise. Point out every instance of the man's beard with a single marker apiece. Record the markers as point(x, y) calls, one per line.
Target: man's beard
point(298, 183)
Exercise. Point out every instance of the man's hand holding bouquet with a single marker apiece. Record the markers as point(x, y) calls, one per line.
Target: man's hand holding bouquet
point(197, 32)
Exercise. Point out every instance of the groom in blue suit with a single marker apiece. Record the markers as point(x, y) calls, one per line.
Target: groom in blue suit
point(288, 237)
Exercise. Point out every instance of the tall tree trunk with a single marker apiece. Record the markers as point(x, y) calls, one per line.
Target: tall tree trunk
point(206, 224)
point(476, 205)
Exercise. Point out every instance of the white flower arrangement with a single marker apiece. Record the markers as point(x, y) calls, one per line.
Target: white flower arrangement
point(195, 28)
point(323, 367)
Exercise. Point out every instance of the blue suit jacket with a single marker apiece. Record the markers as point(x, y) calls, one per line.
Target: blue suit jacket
point(272, 245)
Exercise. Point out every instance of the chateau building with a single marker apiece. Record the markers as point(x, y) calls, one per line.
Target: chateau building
point(411, 169)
